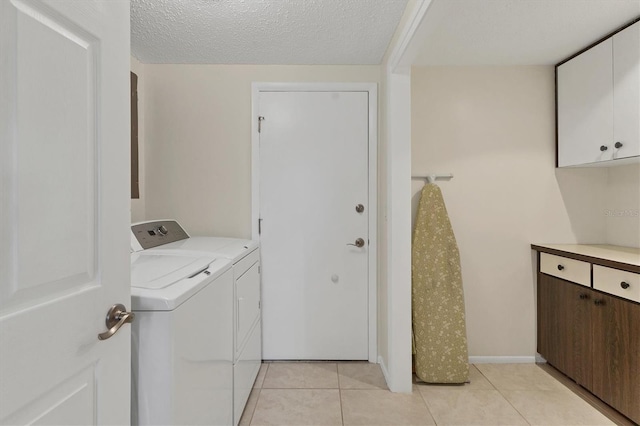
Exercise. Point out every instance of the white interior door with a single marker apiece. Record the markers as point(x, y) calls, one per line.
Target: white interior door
point(313, 174)
point(64, 156)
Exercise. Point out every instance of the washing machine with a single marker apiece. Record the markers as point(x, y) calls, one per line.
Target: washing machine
point(182, 339)
point(167, 236)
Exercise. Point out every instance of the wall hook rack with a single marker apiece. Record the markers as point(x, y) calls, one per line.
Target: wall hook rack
point(431, 178)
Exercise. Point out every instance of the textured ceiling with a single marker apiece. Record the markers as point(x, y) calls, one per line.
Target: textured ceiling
point(516, 32)
point(263, 31)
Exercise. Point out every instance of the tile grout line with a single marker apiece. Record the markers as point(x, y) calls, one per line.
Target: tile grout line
point(340, 395)
point(514, 407)
point(571, 386)
point(259, 389)
point(255, 406)
point(502, 395)
point(311, 388)
point(485, 377)
point(424, 401)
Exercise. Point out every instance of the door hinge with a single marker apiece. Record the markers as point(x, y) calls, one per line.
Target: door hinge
point(259, 269)
point(260, 120)
point(259, 226)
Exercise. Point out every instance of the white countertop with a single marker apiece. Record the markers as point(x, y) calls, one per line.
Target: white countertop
point(628, 255)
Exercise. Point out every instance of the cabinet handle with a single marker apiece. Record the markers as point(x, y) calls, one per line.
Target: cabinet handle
point(603, 148)
point(560, 267)
point(584, 296)
point(598, 302)
point(618, 145)
point(624, 285)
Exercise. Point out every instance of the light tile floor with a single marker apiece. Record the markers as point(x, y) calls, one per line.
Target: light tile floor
point(355, 393)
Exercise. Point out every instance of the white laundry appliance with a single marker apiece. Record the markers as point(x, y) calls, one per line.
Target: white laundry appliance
point(167, 236)
point(182, 339)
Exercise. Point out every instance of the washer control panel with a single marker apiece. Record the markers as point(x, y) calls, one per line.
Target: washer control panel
point(146, 235)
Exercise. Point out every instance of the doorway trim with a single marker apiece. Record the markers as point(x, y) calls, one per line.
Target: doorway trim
point(397, 82)
point(372, 90)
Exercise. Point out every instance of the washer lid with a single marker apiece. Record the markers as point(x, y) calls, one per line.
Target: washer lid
point(155, 271)
point(162, 282)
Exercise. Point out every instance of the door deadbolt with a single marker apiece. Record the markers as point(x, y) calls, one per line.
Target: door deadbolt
point(359, 208)
point(358, 243)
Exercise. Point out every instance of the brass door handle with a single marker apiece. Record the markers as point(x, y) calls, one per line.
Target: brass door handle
point(117, 316)
point(358, 243)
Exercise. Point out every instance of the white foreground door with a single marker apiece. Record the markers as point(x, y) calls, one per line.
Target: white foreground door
point(64, 211)
point(313, 175)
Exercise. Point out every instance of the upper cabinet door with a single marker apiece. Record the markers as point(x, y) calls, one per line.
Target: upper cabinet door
point(626, 92)
point(599, 103)
point(585, 105)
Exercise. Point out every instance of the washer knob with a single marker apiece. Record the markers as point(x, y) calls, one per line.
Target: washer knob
point(162, 230)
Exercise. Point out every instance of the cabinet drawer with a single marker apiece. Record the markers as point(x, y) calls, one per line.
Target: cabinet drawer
point(614, 281)
point(568, 269)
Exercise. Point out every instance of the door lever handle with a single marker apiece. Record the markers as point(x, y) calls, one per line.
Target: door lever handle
point(358, 243)
point(117, 316)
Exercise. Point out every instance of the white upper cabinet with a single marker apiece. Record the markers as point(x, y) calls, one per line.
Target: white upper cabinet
point(585, 107)
point(626, 92)
point(599, 102)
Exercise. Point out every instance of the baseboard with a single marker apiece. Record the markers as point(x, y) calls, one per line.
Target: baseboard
point(502, 359)
point(383, 367)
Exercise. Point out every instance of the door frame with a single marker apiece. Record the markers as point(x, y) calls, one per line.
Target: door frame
point(372, 90)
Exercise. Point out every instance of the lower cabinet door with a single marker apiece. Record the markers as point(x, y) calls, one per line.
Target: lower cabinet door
point(564, 327)
point(556, 323)
point(616, 354)
point(582, 356)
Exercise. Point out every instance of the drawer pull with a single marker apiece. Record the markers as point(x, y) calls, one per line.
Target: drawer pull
point(603, 148)
point(584, 296)
point(624, 285)
point(560, 267)
point(599, 302)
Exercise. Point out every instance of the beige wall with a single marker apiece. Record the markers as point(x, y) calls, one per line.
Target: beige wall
point(198, 139)
point(622, 208)
point(138, 205)
point(493, 128)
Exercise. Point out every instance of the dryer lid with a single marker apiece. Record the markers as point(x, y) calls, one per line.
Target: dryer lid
point(229, 248)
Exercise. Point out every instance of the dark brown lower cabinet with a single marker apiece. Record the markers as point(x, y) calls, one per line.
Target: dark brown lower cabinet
point(556, 324)
point(594, 339)
point(616, 354)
